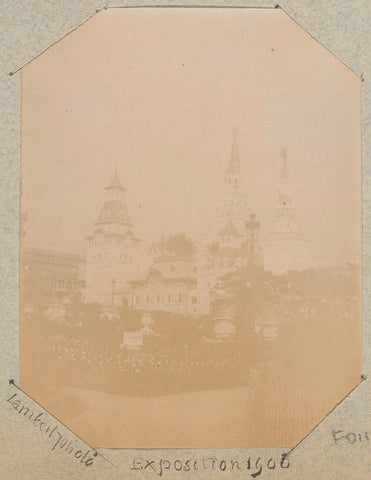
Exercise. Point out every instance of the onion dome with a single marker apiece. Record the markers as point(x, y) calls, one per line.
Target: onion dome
point(113, 211)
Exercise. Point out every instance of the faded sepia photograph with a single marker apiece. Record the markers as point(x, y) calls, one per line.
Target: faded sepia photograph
point(190, 270)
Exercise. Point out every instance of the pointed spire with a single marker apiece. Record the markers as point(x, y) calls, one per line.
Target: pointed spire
point(115, 182)
point(234, 159)
point(285, 174)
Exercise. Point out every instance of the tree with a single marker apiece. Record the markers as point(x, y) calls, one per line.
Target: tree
point(178, 245)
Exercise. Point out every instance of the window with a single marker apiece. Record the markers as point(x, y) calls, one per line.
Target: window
point(194, 299)
point(180, 298)
point(168, 298)
point(147, 298)
point(136, 300)
point(157, 298)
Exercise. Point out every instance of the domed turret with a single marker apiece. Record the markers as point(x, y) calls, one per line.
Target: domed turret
point(114, 209)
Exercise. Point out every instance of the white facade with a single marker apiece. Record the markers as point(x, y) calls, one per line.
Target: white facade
point(170, 285)
point(227, 248)
point(234, 208)
point(285, 249)
point(114, 254)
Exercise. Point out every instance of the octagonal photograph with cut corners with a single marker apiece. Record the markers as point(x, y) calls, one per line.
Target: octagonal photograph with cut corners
point(190, 270)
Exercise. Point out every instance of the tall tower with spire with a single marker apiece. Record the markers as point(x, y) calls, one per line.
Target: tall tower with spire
point(113, 251)
point(234, 209)
point(285, 248)
point(114, 216)
point(228, 246)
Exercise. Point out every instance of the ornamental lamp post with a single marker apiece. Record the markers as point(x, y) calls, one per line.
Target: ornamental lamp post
point(113, 290)
point(252, 226)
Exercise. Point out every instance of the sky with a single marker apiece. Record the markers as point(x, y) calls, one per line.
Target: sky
point(158, 93)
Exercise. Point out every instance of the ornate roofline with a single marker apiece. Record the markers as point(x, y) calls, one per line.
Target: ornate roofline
point(164, 279)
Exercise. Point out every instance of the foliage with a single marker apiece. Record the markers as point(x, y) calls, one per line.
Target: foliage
point(178, 245)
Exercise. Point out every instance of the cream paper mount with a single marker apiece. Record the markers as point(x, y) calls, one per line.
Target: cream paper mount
point(190, 242)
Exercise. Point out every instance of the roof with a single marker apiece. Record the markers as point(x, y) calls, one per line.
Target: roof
point(114, 211)
point(48, 255)
point(115, 183)
point(229, 229)
point(158, 277)
point(148, 331)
